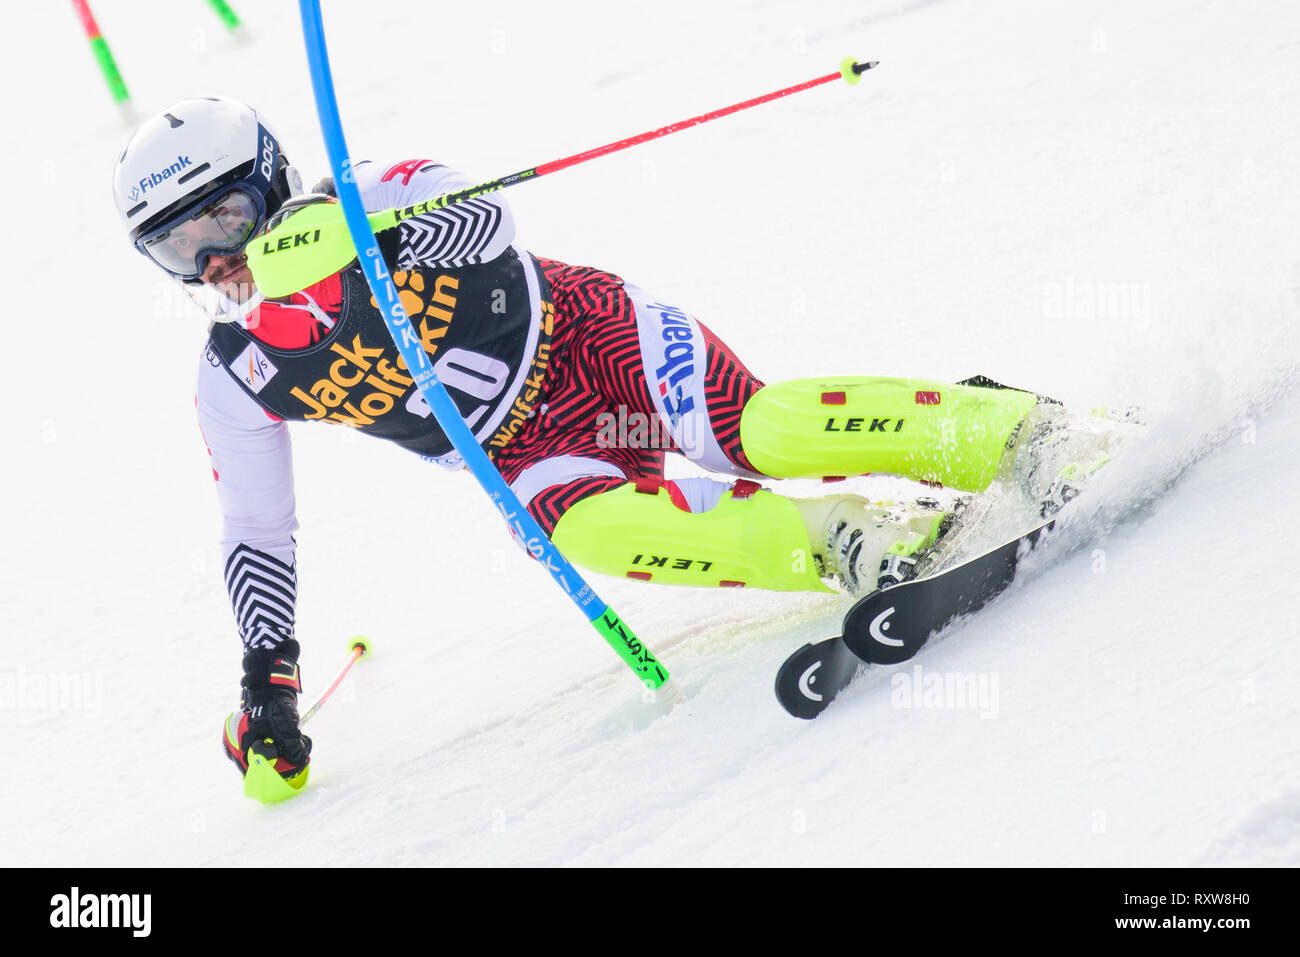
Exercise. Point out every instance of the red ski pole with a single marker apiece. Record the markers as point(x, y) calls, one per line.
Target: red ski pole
point(332, 248)
point(360, 648)
point(850, 71)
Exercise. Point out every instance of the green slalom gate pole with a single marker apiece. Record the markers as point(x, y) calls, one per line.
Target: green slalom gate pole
point(227, 15)
point(104, 56)
point(634, 653)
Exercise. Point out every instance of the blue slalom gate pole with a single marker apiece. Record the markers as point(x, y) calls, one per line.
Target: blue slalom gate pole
point(603, 618)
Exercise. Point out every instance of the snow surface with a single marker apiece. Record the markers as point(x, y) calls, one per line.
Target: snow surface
point(1096, 200)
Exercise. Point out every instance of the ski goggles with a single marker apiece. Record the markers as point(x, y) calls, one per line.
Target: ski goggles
point(223, 225)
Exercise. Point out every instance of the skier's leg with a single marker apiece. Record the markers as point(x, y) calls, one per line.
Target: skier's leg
point(642, 373)
point(938, 432)
point(688, 532)
point(652, 361)
point(723, 417)
point(705, 532)
point(610, 510)
point(631, 377)
point(960, 435)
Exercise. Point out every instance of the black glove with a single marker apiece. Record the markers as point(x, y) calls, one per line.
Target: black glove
point(268, 712)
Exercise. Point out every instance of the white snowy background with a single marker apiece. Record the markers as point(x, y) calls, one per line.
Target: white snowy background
point(1098, 200)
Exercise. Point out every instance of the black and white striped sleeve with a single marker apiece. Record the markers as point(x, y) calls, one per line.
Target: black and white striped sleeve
point(464, 234)
point(253, 469)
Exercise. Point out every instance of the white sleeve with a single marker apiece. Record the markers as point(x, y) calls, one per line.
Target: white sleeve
point(252, 465)
point(464, 234)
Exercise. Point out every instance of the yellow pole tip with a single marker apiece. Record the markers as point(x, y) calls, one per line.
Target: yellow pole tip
point(852, 70)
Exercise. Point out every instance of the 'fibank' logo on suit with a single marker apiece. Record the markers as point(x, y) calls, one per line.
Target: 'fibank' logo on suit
point(678, 334)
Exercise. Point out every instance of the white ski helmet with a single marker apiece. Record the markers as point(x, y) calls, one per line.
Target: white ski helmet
point(200, 178)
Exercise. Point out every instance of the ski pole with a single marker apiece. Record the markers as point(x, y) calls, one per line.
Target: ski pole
point(104, 56)
point(359, 648)
point(607, 623)
point(850, 71)
point(331, 247)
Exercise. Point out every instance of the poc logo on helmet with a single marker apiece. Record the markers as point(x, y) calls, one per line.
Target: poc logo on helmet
point(268, 157)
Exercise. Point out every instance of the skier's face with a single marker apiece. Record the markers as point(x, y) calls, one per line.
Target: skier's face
point(210, 241)
point(231, 276)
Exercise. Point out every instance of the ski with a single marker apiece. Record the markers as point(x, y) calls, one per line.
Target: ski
point(888, 627)
point(891, 625)
point(810, 678)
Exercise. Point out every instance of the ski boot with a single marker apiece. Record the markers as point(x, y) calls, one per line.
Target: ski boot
point(262, 736)
point(1056, 453)
point(868, 545)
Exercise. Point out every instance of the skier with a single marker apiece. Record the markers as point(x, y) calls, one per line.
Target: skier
point(574, 381)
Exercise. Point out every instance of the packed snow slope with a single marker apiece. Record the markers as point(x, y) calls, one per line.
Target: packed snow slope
point(1093, 200)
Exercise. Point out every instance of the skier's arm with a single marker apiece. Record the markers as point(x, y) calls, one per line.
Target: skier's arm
point(253, 469)
point(463, 234)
